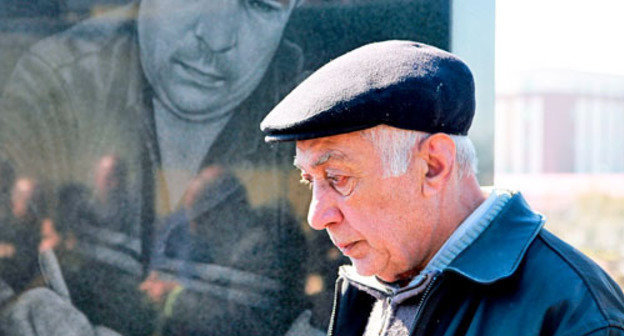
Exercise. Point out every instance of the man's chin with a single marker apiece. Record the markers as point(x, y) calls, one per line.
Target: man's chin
point(197, 109)
point(363, 268)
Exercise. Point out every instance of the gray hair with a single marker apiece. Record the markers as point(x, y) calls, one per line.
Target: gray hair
point(395, 145)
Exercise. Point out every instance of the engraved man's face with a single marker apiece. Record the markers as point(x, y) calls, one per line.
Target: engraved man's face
point(204, 57)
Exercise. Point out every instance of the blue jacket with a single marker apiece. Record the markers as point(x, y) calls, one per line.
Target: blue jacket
point(515, 279)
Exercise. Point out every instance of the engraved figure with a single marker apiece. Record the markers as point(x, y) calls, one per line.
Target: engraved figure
point(167, 89)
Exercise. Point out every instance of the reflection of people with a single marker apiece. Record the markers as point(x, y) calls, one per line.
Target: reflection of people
point(178, 89)
point(200, 248)
point(381, 138)
point(111, 204)
point(7, 247)
point(23, 234)
point(7, 178)
point(44, 311)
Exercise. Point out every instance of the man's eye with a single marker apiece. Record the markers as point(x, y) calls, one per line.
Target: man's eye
point(336, 179)
point(342, 184)
point(264, 5)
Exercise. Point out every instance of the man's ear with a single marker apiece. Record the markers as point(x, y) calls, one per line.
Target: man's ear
point(438, 153)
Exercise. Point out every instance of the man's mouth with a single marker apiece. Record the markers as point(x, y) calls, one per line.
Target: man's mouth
point(208, 77)
point(347, 248)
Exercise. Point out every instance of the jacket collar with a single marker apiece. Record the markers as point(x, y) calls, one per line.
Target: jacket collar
point(239, 141)
point(499, 250)
point(241, 137)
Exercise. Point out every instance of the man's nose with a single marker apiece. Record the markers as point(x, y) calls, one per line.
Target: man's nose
point(323, 210)
point(218, 24)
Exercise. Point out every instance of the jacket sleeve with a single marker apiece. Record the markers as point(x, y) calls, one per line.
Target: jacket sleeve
point(40, 311)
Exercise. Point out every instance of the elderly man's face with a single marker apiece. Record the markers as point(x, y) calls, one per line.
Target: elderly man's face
point(384, 225)
point(204, 57)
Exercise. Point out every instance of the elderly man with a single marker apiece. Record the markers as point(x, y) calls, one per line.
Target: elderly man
point(381, 140)
point(167, 88)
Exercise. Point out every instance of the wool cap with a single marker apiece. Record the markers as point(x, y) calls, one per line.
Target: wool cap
point(403, 84)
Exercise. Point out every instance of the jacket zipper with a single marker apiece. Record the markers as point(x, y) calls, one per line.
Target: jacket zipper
point(332, 319)
point(421, 304)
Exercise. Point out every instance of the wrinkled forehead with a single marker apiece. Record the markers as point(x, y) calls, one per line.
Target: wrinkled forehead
point(310, 159)
point(350, 148)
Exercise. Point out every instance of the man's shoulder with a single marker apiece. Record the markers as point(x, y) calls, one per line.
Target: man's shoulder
point(554, 290)
point(535, 282)
point(573, 273)
point(88, 38)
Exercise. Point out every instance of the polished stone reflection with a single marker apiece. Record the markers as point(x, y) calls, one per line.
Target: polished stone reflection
point(129, 146)
point(118, 115)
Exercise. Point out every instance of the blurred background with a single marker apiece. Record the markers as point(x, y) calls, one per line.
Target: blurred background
point(559, 118)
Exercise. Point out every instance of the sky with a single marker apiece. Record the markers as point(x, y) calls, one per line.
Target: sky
point(581, 35)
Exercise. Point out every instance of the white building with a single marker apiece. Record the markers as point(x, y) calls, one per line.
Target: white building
point(560, 122)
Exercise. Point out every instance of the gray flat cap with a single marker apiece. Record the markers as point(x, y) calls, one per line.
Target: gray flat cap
point(403, 84)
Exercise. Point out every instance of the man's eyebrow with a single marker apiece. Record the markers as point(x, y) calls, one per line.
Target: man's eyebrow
point(322, 159)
